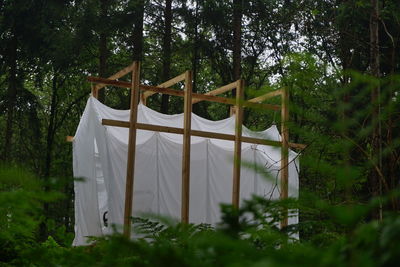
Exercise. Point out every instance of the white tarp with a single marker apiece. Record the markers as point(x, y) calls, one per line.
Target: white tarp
point(100, 157)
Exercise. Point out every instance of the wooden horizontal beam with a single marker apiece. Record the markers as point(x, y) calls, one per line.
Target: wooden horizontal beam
point(115, 76)
point(218, 91)
point(169, 91)
point(104, 81)
point(143, 126)
point(174, 130)
point(166, 84)
point(211, 98)
point(266, 96)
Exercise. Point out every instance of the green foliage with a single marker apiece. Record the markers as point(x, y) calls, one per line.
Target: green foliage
point(255, 241)
point(308, 46)
point(21, 200)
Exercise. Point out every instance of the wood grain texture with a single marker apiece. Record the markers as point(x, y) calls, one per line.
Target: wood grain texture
point(238, 143)
point(115, 76)
point(166, 84)
point(205, 134)
point(266, 96)
point(284, 153)
point(186, 147)
point(169, 91)
point(218, 91)
point(130, 169)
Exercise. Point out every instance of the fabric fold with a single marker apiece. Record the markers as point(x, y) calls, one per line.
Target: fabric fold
point(100, 158)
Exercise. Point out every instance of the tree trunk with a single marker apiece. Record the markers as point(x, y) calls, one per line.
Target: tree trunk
point(166, 51)
point(137, 42)
point(50, 128)
point(137, 36)
point(49, 150)
point(374, 179)
point(11, 98)
point(103, 52)
point(195, 57)
point(237, 40)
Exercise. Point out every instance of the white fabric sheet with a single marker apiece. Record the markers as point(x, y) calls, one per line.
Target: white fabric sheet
point(100, 157)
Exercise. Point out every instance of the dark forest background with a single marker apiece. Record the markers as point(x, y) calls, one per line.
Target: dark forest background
point(340, 60)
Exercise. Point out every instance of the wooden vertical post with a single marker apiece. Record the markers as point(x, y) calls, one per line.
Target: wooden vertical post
point(238, 143)
point(186, 147)
point(284, 152)
point(94, 91)
point(130, 169)
point(143, 99)
point(231, 110)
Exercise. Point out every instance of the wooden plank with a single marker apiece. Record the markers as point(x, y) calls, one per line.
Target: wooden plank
point(130, 169)
point(186, 147)
point(124, 124)
point(167, 84)
point(156, 128)
point(231, 111)
point(169, 91)
point(284, 153)
point(266, 96)
point(218, 91)
point(238, 143)
point(143, 126)
point(105, 81)
point(115, 76)
point(174, 130)
point(94, 91)
point(143, 99)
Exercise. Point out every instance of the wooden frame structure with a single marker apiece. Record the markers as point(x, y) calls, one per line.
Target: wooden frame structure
point(189, 99)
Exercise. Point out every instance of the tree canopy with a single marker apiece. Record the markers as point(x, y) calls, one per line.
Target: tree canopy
point(339, 59)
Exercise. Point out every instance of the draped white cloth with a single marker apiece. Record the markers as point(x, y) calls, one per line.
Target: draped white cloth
point(100, 158)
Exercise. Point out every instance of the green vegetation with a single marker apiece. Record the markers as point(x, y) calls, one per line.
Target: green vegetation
point(334, 235)
point(339, 60)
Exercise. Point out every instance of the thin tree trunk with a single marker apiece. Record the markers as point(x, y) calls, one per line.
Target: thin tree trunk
point(137, 36)
point(50, 128)
point(49, 150)
point(137, 42)
point(345, 57)
point(166, 51)
point(390, 161)
point(195, 57)
point(103, 52)
point(237, 39)
point(11, 98)
point(374, 180)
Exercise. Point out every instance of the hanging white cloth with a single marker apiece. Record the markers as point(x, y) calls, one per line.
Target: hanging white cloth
point(100, 158)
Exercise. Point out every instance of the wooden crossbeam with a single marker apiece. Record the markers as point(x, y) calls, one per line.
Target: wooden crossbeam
point(115, 76)
point(218, 91)
point(266, 96)
point(169, 91)
point(166, 84)
point(189, 99)
point(205, 134)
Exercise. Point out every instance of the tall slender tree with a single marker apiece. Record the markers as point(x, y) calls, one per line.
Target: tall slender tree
point(166, 48)
point(375, 179)
point(11, 94)
point(237, 39)
point(103, 39)
point(137, 33)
